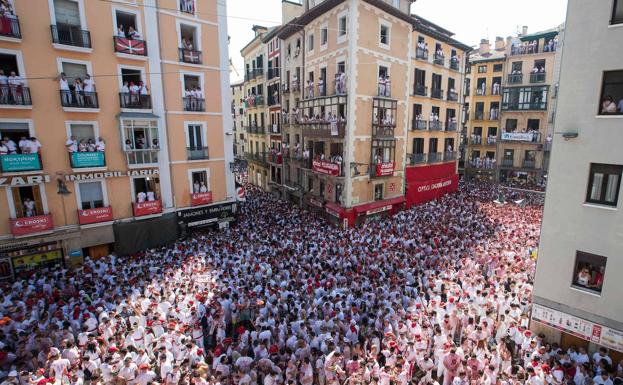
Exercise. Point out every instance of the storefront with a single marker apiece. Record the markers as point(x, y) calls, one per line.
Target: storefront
point(375, 210)
point(314, 204)
point(215, 216)
point(21, 259)
point(430, 182)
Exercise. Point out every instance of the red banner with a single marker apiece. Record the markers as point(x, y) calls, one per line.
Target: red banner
point(129, 46)
point(327, 168)
point(385, 169)
point(101, 214)
point(203, 198)
point(147, 208)
point(25, 226)
point(421, 192)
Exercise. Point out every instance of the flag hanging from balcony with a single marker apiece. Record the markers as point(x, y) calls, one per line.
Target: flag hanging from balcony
point(191, 56)
point(131, 47)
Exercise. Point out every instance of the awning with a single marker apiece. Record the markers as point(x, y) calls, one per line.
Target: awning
point(137, 115)
point(334, 209)
point(379, 206)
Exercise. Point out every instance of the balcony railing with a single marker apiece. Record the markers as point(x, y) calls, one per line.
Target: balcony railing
point(453, 96)
point(449, 156)
point(257, 156)
point(454, 64)
point(421, 53)
point(414, 159)
point(491, 140)
point(15, 96)
point(275, 158)
point(451, 126)
point(273, 73)
point(134, 101)
point(435, 157)
point(383, 130)
point(515, 78)
point(418, 125)
point(480, 115)
point(439, 59)
point(420, 90)
point(31, 225)
point(70, 35)
point(20, 162)
point(527, 163)
point(130, 46)
point(9, 26)
point(187, 6)
point(384, 90)
point(79, 99)
point(194, 104)
point(197, 153)
point(87, 159)
point(435, 125)
point(475, 140)
point(481, 91)
point(524, 106)
point(436, 93)
point(532, 49)
point(190, 56)
point(256, 130)
point(537, 77)
point(378, 170)
point(532, 136)
point(139, 157)
point(508, 162)
point(254, 101)
point(324, 129)
point(147, 208)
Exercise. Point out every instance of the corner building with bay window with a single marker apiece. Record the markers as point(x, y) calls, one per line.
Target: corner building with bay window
point(131, 147)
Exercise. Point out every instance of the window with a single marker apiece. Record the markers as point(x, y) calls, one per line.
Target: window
point(612, 93)
point(140, 141)
point(511, 125)
point(310, 42)
point(396, 3)
point(91, 195)
point(200, 182)
point(187, 6)
point(197, 148)
point(324, 36)
point(342, 26)
point(378, 192)
point(525, 98)
point(146, 189)
point(589, 272)
point(384, 35)
point(27, 201)
point(617, 12)
point(482, 69)
point(497, 67)
point(604, 182)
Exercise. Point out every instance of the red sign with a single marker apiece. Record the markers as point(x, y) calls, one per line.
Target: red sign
point(241, 194)
point(147, 208)
point(424, 191)
point(327, 168)
point(25, 226)
point(385, 169)
point(129, 46)
point(203, 198)
point(101, 214)
point(596, 335)
point(392, 187)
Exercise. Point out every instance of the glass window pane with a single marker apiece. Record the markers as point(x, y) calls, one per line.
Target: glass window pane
point(596, 187)
point(91, 195)
point(611, 188)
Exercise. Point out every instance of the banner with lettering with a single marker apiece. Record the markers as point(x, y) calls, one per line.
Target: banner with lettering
point(31, 225)
point(385, 169)
point(147, 208)
point(202, 198)
point(101, 214)
point(326, 168)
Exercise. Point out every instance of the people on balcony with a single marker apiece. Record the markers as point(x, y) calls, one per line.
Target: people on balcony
point(496, 88)
point(493, 113)
point(608, 106)
point(89, 88)
point(133, 33)
point(29, 208)
point(310, 89)
point(187, 43)
point(100, 144)
point(121, 32)
point(340, 83)
point(321, 91)
point(4, 88)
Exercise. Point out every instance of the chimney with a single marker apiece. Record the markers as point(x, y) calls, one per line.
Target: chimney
point(258, 29)
point(484, 47)
point(499, 43)
point(290, 10)
point(524, 30)
point(509, 41)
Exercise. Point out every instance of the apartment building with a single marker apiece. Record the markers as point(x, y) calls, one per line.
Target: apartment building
point(237, 115)
point(484, 83)
point(129, 109)
point(577, 292)
point(529, 91)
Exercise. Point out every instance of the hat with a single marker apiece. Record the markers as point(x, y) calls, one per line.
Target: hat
point(143, 366)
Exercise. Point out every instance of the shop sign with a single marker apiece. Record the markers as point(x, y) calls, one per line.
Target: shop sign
point(379, 210)
point(331, 212)
point(207, 215)
point(87, 159)
point(326, 168)
point(31, 225)
point(20, 162)
point(39, 260)
point(385, 169)
point(37, 179)
point(434, 186)
point(147, 208)
point(202, 198)
point(101, 214)
point(315, 202)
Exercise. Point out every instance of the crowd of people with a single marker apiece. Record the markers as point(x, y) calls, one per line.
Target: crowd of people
point(26, 145)
point(439, 294)
point(532, 47)
point(85, 145)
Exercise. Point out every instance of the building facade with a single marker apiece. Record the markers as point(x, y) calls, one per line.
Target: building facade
point(111, 136)
point(577, 293)
point(237, 115)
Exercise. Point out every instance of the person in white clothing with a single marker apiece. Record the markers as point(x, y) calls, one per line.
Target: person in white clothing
point(88, 85)
point(125, 94)
point(100, 144)
point(72, 144)
point(16, 84)
point(141, 197)
point(151, 196)
point(65, 90)
point(4, 88)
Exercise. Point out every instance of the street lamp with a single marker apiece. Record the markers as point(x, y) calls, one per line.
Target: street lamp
point(63, 192)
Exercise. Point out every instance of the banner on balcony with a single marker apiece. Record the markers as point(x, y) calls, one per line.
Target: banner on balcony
point(518, 136)
point(326, 168)
point(20, 162)
point(40, 260)
point(334, 129)
point(191, 56)
point(25, 226)
point(87, 159)
point(131, 47)
point(147, 208)
point(202, 198)
point(385, 169)
point(101, 214)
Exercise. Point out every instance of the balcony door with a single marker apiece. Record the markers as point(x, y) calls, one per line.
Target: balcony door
point(28, 201)
point(418, 145)
point(146, 189)
point(74, 71)
point(195, 136)
point(200, 181)
point(432, 145)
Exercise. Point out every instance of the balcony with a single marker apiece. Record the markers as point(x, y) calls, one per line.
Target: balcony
point(384, 90)
point(528, 163)
point(81, 99)
point(475, 140)
point(480, 115)
point(187, 6)
point(436, 93)
point(515, 78)
point(127, 46)
point(273, 73)
point(95, 215)
point(449, 156)
point(537, 77)
point(454, 64)
point(508, 162)
point(201, 198)
point(481, 91)
point(435, 157)
point(256, 130)
point(197, 153)
point(20, 162)
point(414, 159)
point(9, 26)
point(380, 130)
point(418, 125)
point(87, 159)
point(532, 137)
point(134, 101)
point(140, 209)
point(15, 96)
point(252, 101)
point(453, 96)
point(379, 170)
point(324, 129)
point(142, 157)
point(31, 225)
point(327, 168)
point(439, 59)
point(421, 53)
point(194, 104)
point(435, 125)
point(72, 35)
point(276, 158)
point(256, 156)
point(190, 56)
point(515, 106)
point(528, 49)
point(420, 90)
point(491, 141)
point(451, 126)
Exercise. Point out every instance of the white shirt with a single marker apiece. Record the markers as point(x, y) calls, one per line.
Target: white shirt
point(15, 81)
point(150, 196)
point(141, 196)
point(4, 80)
point(89, 85)
point(34, 146)
point(72, 145)
point(64, 84)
